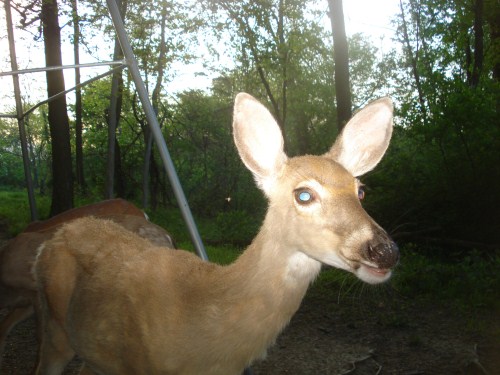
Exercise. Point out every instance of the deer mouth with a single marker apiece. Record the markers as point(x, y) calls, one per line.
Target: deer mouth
point(366, 271)
point(376, 270)
point(371, 274)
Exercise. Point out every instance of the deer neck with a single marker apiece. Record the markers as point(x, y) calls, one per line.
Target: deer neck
point(268, 282)
point(269, 261)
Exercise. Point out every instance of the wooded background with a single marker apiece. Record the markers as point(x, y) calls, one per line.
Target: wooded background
point(438, 185)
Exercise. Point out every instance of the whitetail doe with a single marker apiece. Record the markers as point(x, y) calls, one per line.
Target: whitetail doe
point(127, 307)
point(18, 291)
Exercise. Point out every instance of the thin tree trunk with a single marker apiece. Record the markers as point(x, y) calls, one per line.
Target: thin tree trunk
point(62, 181)
point(148, 141)
point(114, 112)
point(341, 59)
point(80, 179)
point(283, 53)
point(119, 175)
point(413, 62)
point(492, 15)
point(149, 163)
point(478, 42)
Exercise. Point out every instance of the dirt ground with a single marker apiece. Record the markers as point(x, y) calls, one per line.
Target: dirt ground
point(355, 335)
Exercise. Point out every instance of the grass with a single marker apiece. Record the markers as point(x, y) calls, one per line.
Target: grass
point(15, 210)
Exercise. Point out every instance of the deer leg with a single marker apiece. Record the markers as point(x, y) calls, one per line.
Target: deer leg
point(55, 351)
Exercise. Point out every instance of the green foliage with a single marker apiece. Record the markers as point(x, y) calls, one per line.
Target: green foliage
point(469, 281)
point(15, 210)
point(466, 282)
point(11, 162)
point(440, 177)
point(199, 135)
point(233, 227)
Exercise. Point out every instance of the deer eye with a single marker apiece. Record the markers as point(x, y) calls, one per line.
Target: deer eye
point(304, 196)
point(361, 193)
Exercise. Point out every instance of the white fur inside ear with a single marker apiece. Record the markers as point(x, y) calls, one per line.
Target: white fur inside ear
point(258, 139)
point(365, 138)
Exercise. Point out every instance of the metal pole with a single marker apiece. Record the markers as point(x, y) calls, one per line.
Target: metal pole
point(19, 112)
point(62, 67)
point(155, 128)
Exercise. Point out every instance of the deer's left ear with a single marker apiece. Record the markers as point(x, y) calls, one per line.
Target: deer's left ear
point(365, 138)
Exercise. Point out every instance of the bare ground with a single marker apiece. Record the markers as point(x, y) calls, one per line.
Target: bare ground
point(360, 335)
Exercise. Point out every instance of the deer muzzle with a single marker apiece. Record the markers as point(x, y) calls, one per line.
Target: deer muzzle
point(385, 254)
point(380, 255)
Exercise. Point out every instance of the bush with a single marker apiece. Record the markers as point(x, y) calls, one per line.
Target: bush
point(236, 228)
point(471, 280)
point(15, 210)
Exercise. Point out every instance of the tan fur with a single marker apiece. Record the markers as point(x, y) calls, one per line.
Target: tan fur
point(127, 307)
point(17, 285)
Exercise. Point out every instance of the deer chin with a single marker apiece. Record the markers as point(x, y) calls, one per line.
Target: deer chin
point(371, 274)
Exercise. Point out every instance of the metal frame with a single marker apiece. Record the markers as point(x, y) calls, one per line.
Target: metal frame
point(128, 62)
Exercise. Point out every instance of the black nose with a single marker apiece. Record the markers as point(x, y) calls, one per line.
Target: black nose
point(383, 252)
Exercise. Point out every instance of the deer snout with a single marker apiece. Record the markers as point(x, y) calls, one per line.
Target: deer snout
point(383, 252)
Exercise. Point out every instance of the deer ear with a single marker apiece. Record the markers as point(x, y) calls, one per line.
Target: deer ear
point(258, 139)
point(365, 138)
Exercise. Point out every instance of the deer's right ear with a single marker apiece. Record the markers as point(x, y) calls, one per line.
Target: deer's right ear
point(258, 139)
point(365, 138)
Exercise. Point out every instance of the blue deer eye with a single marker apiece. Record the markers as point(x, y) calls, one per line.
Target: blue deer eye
point(304, 196)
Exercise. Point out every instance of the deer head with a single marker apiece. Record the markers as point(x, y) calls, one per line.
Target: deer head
point(314, 201)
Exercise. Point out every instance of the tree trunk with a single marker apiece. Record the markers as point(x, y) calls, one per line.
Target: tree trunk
point(80, 179)
point(492, 16)
point(478, 42)
point(119, 175)
point(114, 113)
point(341, 59)
point(62, 184)
point(283, 55)
point(413, 62)
point(149, 163)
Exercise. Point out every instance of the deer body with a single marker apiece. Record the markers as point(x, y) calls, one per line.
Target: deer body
point(224, 327)
point(129, 308)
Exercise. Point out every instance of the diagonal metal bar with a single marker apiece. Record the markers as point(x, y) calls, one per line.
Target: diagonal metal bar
point(62, 67)
point(155, 128)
